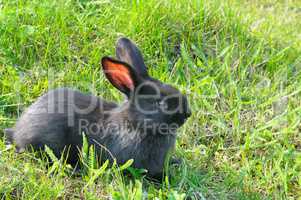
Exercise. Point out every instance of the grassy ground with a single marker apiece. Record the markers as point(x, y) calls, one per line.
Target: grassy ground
point(238, 61)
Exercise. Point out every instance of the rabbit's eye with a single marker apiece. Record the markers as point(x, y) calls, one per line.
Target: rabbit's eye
point(163, 105)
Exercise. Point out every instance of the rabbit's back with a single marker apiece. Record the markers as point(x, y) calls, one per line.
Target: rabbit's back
point(56, 119)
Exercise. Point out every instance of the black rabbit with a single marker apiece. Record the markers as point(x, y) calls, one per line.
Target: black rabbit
point(142, 128)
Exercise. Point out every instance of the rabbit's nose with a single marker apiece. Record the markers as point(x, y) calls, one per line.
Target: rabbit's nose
point(188, 113)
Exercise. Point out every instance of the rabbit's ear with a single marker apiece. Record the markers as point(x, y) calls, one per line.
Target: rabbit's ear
point(120, 74)
point(128, 52)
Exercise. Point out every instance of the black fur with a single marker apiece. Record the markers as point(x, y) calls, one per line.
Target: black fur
point(8, 132)
point(58, 119)
point(128, 52)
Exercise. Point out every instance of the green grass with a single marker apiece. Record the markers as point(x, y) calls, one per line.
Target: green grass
point(238, 61)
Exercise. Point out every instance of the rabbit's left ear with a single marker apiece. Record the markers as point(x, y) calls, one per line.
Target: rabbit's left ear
point(120, 74)
point(127, 51)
